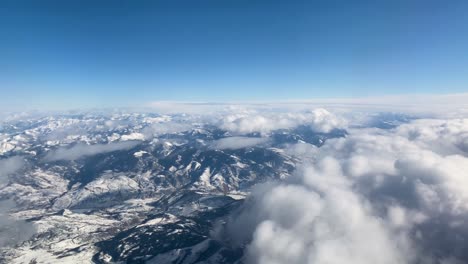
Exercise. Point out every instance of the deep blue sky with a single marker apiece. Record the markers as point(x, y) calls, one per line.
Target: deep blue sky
point(119, 53)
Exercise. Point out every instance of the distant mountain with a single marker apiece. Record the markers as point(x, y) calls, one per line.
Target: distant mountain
point(135, 188)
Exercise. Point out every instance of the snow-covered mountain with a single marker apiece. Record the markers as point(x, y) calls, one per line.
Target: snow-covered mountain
point(138, 187)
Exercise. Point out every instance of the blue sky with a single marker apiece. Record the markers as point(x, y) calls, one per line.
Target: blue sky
point(60, 54)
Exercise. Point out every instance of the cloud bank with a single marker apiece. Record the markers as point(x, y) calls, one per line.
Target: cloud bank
point(376, 196)
point(439, 105)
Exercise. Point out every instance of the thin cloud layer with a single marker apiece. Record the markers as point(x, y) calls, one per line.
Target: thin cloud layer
point(9, 166)
point(435, 105)
point(161, 128)
point(12, 231)
point(82, 150)
point(237, 142)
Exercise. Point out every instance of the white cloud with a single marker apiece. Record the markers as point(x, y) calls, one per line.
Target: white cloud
point(13, 231)
point(320, 221)
point(237, 142)
point(319, 120)
point(81, 150)
point(442, 136)
point(376, 196)
point(9, 166)
point(165, 128)
point(132, 136)
point(433, 105)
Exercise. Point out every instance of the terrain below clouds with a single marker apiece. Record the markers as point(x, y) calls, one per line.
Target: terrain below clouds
point(239, 185)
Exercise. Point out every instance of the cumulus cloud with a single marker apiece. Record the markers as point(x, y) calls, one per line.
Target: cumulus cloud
point(319, 219)
point(442, 136)
point(377, 196)
point(319, 120)
point(81, 150)
point(237, 142)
